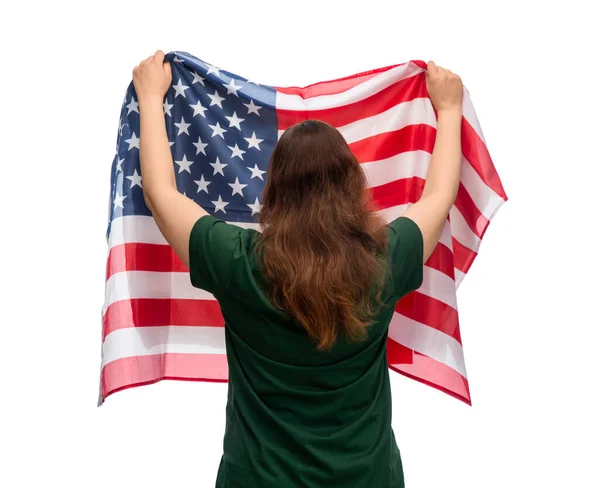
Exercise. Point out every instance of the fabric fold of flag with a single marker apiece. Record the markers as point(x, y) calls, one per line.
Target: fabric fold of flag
point(222, 129)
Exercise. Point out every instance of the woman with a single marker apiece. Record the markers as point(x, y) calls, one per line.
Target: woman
point(308, 302)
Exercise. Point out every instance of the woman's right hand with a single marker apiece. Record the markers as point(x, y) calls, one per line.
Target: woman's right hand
point(445, 88)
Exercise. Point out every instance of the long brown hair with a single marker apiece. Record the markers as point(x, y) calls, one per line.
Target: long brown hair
point(322, 243)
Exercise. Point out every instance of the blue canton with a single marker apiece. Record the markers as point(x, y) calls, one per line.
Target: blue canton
point(222, 129)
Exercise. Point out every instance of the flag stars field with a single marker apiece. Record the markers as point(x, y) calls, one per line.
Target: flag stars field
point(252, 108)
point(235, 121)
point(135, 178)
point(202, 184)
point(236, 152)
point(183, 127)
point(220, 205)
point(199, 109)
point(232, 88)
point(237, 187)
point(253, 141)
point(184, 164)
point(167, 108)
point(218, 130)
point(215, 99)
point(133, 106)
point(218, 167)
point(180, 89)
point(197, 78)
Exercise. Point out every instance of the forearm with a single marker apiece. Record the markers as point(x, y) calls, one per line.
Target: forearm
point(156, 160)
point(444, 169)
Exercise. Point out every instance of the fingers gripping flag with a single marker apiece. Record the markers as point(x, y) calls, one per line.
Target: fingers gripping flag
point(222, 129)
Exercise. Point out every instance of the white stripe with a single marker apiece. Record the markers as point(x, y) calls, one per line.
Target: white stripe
point(141, 228)
point(462, 232)
point(439, 286)
point(398, 167)
point(469, 113)
point(355, 94)
point(392, 213)
point(428, 341)
point(485, 199)
point(417, 111)
point(151, 284)
point(459, 276)
point(144, 341)
point(176, 285)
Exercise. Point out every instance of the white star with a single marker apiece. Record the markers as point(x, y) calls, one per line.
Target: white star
point(232, 88)
point(236, 151)
point(177, 60)
point(215, 99)
point(171, 143)
point(135, 179)
point(256, 206)
point(184, 165)
point(253, 141)
point(133, 141)
point(256, 172)
point(132, 106)
point(118, 201)
point(237, 187)
point(180, 89)
point(218, 167)
point(121, 128)
point(119, 163)
point(183, 127)
point(200, 146)
point(220, 205)
point(199, 109)
point(212, 69)
point(167, 108)
point(252, 108)
point(217, 130)
point(235, 121)
point(202, 184)
point(198, 79)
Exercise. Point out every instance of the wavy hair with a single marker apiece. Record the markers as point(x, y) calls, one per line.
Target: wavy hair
point(322, 245)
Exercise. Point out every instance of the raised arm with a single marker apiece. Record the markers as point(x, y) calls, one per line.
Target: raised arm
point(174, 213)
point(441, 186)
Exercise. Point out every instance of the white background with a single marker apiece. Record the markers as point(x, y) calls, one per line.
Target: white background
point(528, 307)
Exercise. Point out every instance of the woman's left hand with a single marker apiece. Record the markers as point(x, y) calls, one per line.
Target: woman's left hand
point(152, 78)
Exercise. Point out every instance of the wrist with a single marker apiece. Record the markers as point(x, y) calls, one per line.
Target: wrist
point(149, 101)
point(450, 112)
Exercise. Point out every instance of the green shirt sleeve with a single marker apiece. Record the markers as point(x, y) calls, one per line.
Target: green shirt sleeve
point(405, 252)
point(215, 248)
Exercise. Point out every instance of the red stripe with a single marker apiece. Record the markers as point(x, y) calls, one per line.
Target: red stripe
point(400, 92)
point(476, 152)
point(143, 257)
point(161, 258)
point(431, 312)
point(441, 259)
point(156, 312)
point(428, 371)
point(143, 370)
point(332, 87)
point(417, 137)
point(397, 192)
point(463, 256)
point(473, 217)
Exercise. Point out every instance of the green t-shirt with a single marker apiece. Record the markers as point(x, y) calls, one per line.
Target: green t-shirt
point(297, 417)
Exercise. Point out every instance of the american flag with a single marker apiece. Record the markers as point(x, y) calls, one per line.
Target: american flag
point(222, 129)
